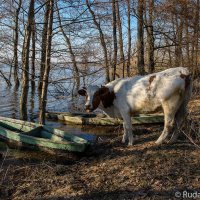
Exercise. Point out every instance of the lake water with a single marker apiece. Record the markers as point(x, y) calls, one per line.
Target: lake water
point(57, 101)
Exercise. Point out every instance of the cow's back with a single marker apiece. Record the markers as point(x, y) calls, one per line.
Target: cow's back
point(143, 94)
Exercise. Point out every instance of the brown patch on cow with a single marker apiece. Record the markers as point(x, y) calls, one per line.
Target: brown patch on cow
point(150, 81)
point(106, 96)
point(96, 100)
point(187, 79)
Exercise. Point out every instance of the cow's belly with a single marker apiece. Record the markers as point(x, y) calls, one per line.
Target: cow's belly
point(111, 112)
point(146, 106)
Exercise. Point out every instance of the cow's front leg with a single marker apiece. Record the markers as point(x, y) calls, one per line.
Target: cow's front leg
point(125, 134)
point(127, 128)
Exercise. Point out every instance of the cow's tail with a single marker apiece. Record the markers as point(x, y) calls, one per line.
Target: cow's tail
point(188, 89)
point(182, 111)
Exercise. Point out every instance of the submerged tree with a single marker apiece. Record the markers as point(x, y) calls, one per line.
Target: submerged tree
point(25, 62)
point(43, 48)
point(33, 38)
point(45, 76)
point(16, 38)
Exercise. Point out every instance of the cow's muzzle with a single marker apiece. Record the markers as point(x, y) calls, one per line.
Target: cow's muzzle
point(88, 108)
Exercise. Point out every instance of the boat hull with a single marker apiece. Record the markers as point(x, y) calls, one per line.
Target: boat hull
point(33, 135)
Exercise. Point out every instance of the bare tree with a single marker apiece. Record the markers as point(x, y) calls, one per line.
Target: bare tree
point(150, 35)
point(120, 40)
point(45, 80)
point(72, 55)
point(102, 40)
point(179, 38)
point(44, 44)
point(16, 38)
point(33, 37)
point(129, 37)
point(140, 38)
point(195, 44)
point(25, 62)
point(114, 22)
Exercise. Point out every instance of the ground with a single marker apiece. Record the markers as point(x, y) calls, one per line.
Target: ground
point(110, 169)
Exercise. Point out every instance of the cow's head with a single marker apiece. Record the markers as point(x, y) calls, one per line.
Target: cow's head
point(94, 95)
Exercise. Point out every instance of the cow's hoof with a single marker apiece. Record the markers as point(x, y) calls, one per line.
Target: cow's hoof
point(123, 140)
point(130, 144)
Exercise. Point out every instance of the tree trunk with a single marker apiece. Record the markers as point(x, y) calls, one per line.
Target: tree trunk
point(169, 52)
point(43, 97)
point(129, 38)
point(72, 55)
point(102, 40)
point(178, 47)
point(187, 40)
point(16, 37)
point(150, 36)
point(140, 38)
point(33, 58)
point(43, 50)
point(196, 70)
point(25, 63)
point(119, 26)
point(114, 39)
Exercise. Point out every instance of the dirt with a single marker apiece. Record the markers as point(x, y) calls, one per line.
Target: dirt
point(110, 169)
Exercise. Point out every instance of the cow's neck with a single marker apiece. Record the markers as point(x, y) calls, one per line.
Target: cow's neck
point(108, 98)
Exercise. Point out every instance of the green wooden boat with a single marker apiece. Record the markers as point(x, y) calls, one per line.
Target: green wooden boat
point(35, 136)
point(101, 119)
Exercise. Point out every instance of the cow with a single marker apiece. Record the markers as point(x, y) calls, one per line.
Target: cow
point(168, 91)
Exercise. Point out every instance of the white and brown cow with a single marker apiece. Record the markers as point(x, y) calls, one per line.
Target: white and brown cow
point(168, 90)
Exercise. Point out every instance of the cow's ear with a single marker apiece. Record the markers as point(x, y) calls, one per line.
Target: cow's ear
point(82, 92)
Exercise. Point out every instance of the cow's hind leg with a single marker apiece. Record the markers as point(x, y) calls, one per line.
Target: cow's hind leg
point(179, 119)
point(170, 108)
point(182, 110)
point(169, 123)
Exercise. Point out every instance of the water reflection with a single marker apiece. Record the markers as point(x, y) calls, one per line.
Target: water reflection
point(32, 104)
point(89, 133)
point(9, 104)
point(15, 101)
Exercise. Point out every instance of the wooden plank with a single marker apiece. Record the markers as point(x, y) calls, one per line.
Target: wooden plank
point(84, 119)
